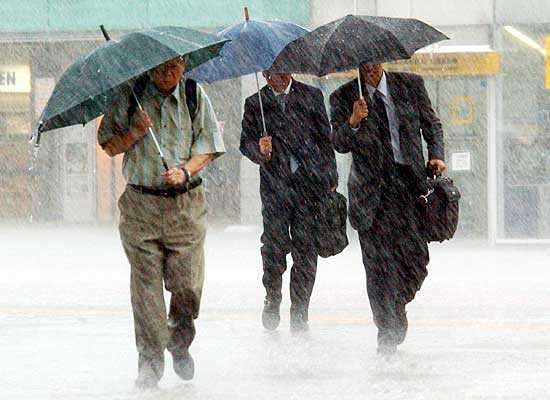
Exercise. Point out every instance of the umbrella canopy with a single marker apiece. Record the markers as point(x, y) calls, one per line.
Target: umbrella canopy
point(87, 87)
point(253, 47)
point(348, 42)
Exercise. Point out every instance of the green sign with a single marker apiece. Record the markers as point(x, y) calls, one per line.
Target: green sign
point(86, 15)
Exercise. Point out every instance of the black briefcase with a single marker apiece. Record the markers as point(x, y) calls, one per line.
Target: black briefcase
point(439, 209)
point(330, 236)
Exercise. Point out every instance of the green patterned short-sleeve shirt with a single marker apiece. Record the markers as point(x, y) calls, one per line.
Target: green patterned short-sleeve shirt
point(179, 137)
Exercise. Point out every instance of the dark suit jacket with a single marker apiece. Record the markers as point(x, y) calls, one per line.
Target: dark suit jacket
point(303, 130)
point(416, 119)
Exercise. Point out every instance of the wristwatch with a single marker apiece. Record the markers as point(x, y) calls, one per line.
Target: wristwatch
point(187, 175)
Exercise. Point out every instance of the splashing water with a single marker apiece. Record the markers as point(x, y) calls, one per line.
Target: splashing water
point(33, 149)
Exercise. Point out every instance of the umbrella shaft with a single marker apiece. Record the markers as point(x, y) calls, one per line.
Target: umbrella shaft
point(159, 150)
point(157, 145)
point(261, 104)
point(359, 83)
point(156, 142)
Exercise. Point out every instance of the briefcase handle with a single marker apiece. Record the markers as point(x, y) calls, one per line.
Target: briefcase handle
point(430, 174)
point(427, 195)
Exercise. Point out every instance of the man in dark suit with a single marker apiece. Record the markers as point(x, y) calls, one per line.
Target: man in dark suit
point(384, 134)
point(297, 166)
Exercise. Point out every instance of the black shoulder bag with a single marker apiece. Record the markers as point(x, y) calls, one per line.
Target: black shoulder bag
point(439, 209)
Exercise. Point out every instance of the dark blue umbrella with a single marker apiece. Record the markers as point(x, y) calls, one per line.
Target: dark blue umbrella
point(253, 47)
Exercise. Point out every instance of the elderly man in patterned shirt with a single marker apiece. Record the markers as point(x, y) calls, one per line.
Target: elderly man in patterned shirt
point(162, 221)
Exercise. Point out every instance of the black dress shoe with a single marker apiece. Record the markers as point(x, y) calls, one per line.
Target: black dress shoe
point(271, 316)
point(150, 370)
point(403, 324)
point(387, 341)
point(298, 321)
point(184, 367)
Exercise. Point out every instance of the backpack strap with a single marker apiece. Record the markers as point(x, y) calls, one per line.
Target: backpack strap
point(191, 97)
point(139, 87)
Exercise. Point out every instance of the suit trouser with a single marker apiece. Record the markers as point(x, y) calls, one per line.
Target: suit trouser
point(395, 257)
point(289, 221)
point(163, 238)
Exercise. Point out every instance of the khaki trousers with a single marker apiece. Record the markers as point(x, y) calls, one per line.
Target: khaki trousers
point(163, 238)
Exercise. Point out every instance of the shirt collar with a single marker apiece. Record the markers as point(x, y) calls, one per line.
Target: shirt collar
point(286, 91)
point(176, 92)
point(382, 86)
point(154, 92)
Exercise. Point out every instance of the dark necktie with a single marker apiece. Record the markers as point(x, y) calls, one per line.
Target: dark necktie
point(281, 99)
point(293, 163)
point(379, 108)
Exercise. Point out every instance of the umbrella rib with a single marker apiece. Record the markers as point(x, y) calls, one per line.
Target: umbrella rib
point(89, 82)
point(323, 53)
point(271, 49)
point(401, 49)
point(142, 71)
point(87, 57)
point(400, 45)
point(199, 45)
point(265, 40)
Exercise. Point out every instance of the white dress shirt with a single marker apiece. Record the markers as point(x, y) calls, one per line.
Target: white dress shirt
point(293, 162)
point(393, 120)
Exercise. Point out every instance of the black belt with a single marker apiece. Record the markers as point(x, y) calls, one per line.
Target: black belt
point(170, 192)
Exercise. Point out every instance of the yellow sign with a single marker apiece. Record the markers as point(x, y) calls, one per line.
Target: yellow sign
point(15, 79)
point(462, 110)
point(547, 69)
point(445, 64)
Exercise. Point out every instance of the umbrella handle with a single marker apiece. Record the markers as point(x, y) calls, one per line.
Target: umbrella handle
point(359, 83)
point(163, 160)
point(36, 136)
point(159, 151)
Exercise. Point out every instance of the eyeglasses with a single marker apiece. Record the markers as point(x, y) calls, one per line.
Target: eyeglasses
point(170, 65)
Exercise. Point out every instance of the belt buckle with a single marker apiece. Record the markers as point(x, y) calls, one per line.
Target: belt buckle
point(169, 193)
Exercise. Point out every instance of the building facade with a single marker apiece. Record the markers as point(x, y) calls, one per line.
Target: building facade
point(490, 84)
point(72, 180)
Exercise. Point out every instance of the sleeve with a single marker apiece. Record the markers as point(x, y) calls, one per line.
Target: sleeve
point(344, 137)
point(341, 131)
point(207, 136)
point(115, 120)
point(251, 134)
point(430, 124)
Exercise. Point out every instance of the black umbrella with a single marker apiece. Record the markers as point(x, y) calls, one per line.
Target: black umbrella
point(348, 42)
